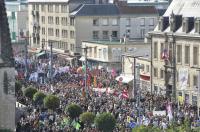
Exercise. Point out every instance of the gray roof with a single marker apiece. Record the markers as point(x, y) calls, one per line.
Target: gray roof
point(96, 10)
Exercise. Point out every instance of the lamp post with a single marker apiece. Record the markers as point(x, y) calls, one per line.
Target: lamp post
point(85, 54)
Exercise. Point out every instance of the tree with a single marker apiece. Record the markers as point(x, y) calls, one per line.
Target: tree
point(73, 110)
point(29, 92)
point(51, 102)
point(105, 122)
point(38, 97)
point(87, 118)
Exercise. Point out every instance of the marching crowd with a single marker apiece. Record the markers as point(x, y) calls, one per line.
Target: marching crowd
point(68, 86)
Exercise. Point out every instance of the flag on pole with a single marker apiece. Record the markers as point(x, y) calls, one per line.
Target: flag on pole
point(165, 54)
point(125, 94)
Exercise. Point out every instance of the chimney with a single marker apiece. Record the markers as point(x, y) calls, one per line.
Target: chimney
point(197, 25)
point(175, 22)
point(163, 23)
point(188, 24)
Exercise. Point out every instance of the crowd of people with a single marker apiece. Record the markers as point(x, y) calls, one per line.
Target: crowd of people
point(68, 85)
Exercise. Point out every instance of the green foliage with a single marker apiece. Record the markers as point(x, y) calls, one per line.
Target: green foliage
point(29, 92)
point(105, 122)
point(18, 86)
point(73, 110)
point(87, 118)
point(146, 129)
point(38, 97)
point(51, 102)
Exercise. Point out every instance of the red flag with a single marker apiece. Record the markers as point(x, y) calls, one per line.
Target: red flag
point(125, 94)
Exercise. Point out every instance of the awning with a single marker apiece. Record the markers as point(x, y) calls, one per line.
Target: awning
point(145, 77)
point(82, 58)
point(39, 54)
point(124, 79)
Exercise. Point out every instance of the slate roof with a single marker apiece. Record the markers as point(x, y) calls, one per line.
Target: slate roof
point(137, 10)
point(96, 10)
point(111, 10)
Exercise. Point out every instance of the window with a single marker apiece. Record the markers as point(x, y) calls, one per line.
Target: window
point(114, 22)
point(147, 68)
point(142, 67)
point(151, 21)
point(195, 81)
point(43, 31)
point(43, 19)
point(104, 53)
point(179, 53)
point(57, 33)
point(142, 33)
point(64, 34)
point(71, 34)
point(155, 47)
point(195, 56)
point(64, 8)
point(33, 6)
point(50, 8)
point(37, 7)
point(162, 47)
point(43, 8)
point(50, 32)
point(100, 53)
point(71, 21)
point(72, 47)
point(187, 54)
point(57, 8)
point(64, 21)
point(57, 21)
point(105, 22)
point(162, 72)
point(128, 22)
point(155, 72)
point(142, 22)
point(188, 79)
point(50, 20)
point(95, 22)
point(105, 35)
point(95, 34)
point(95, 52)
point(114, 34)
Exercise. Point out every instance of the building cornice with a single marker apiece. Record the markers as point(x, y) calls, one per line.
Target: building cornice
point(178, 35)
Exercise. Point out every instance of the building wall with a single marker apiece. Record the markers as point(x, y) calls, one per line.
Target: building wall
point(181, 42)
point(17, 19)
point(52, 20)
point(137, 25)
point(85, 28)
point(7, 101)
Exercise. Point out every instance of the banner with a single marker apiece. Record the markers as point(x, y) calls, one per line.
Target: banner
point(159, 113)
point(183, 78)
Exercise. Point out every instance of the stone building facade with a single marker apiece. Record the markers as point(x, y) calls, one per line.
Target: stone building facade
point(177, 37)
point(7, 81)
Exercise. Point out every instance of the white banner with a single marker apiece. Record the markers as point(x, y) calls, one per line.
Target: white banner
point(159, 113)
point(183, 78)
